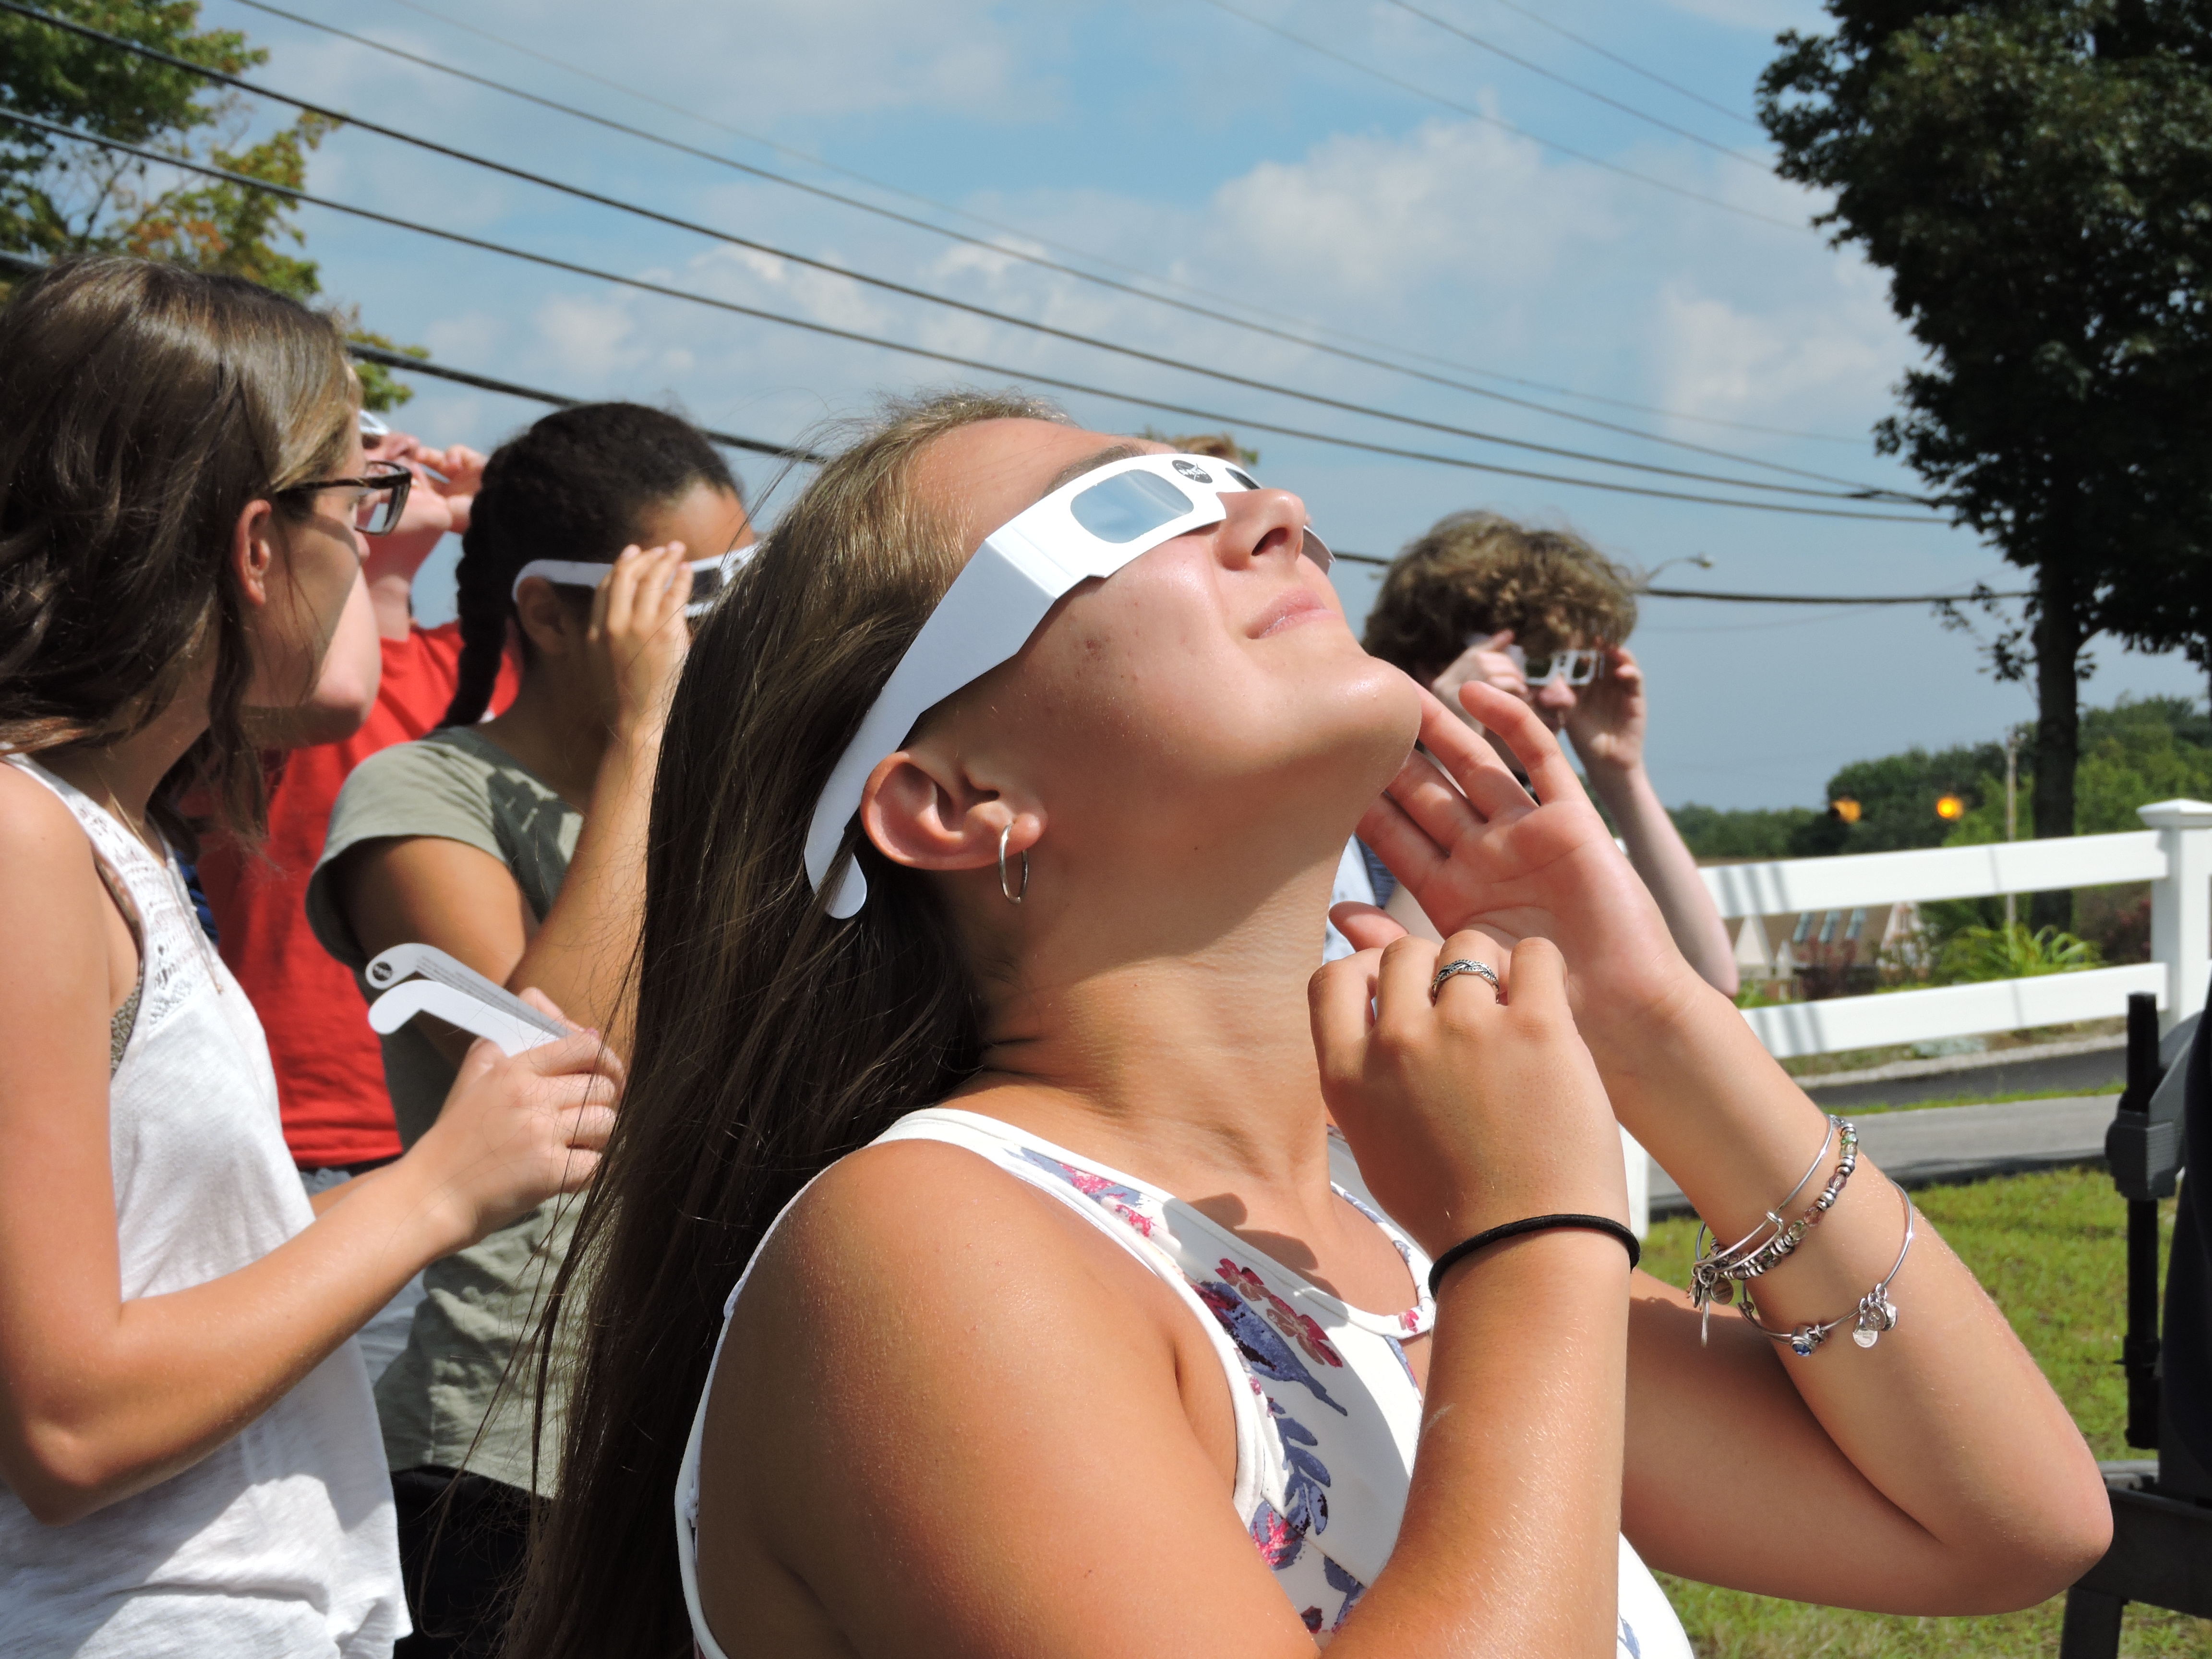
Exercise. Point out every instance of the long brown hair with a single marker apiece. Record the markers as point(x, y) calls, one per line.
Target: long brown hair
point(771, 1040)
point(142, 408)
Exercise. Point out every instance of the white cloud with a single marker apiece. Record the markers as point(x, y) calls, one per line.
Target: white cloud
point(1371, 217)
point(1836, 349)
point(750, 65)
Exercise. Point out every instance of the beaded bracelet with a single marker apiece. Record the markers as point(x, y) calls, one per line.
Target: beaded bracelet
point(1715, 1274)
point(1875, 1314)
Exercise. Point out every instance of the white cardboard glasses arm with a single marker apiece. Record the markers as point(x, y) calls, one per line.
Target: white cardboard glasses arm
point(707, 575)
point(1087, 528)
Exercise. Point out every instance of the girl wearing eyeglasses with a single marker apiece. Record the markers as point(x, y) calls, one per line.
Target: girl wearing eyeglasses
point(187, 1436)
point(974, 1272)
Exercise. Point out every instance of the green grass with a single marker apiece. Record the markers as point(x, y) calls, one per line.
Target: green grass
point(1984, 1099)
point(2050, 1247)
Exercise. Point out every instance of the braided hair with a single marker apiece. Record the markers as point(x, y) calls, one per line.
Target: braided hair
point(577, 485)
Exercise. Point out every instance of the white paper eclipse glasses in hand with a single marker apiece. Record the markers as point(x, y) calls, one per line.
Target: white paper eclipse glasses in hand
point(707, 575)
point(1089, 528)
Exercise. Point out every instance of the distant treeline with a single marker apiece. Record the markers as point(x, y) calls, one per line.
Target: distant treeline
point(2133, 753)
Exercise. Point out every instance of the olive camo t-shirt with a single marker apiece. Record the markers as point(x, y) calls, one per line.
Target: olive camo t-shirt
point(478, 1304)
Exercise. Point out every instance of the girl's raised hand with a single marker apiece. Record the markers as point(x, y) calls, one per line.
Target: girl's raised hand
point(1464, 1108)
point(639, 636)
point(1477, 850)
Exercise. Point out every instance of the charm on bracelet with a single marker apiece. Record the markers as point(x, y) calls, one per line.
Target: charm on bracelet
point(1876, 1313)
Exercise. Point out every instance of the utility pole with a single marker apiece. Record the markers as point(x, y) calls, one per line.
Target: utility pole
point(2012, 815)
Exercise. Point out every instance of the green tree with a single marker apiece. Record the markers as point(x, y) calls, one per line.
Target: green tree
point(2036, 175)
point(2139, 750)
point(1896, 796)
point(1713, 832)
point(59, 198)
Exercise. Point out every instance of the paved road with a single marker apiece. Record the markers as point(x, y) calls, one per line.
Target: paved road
point(1963, 1143)
point(2101, 1071)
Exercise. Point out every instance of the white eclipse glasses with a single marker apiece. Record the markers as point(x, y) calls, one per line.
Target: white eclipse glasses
point(1086, 529)
point(708, 576)
point(1577, 668)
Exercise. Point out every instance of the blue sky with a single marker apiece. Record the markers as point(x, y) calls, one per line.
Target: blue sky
point(1192, 144)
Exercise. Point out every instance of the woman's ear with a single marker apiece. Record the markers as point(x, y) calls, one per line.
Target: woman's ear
point(922, 809)
point(547, 619)
point(254, 551)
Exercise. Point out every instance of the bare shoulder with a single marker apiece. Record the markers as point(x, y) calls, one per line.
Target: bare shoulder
point(47, 877)
point(928, 1335)
point(928, 1221)
point(34, 822)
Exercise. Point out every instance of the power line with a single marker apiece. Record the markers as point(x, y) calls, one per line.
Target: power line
point(1975, 598)
point(16, 264)
point(1633, 68)
point(906, 290)
point(401, 362)
point(1368, 359)
point(1473, 39)
point(445, 19)
point(828, 330)
point(1489, 119)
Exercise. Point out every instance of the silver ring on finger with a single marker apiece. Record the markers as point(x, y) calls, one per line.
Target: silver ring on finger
point(1466, 965)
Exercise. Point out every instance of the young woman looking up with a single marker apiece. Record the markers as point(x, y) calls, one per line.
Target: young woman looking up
point(1101, 1354)
point(518, 845)
point(1481, 598)
point(187, 1436)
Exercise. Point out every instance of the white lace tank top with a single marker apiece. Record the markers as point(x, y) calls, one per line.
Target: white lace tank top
point(1328, 1413)
point(280, 1540)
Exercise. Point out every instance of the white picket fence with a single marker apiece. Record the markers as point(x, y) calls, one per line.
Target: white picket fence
point(2173, 853)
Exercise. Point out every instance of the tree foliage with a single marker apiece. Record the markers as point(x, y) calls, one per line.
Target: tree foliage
point(2138, 751)
point(2036, 176)
point(59, 198)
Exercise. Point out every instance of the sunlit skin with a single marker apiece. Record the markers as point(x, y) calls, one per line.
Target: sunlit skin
point(953, 1419)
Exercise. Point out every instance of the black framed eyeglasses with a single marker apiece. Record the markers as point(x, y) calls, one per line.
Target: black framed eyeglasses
point(379, 499)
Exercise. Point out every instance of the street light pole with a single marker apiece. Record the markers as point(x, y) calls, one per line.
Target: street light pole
point(2012, 817)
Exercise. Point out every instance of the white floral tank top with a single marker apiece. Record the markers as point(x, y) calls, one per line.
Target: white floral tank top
point(1328, 1413)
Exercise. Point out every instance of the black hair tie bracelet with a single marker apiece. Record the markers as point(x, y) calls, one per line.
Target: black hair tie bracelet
point(1534, 1224)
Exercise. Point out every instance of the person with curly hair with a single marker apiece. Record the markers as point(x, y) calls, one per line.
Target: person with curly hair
point(1543, 614)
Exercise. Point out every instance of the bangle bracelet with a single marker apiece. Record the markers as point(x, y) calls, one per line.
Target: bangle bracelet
point(1534, 1224)
point(1714, 1275)
point(1875, 1314)
point(1750, 1238)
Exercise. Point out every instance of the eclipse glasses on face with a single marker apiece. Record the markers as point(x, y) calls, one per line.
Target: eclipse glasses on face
point(1564, 667)
point(1086, 529)
point(708, 576)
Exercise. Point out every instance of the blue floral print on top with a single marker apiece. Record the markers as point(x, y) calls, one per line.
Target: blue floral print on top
point(1328, 1412)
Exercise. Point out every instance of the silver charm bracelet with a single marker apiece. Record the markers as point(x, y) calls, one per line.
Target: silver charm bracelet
point(1875, 1314)
point(1715, 1274)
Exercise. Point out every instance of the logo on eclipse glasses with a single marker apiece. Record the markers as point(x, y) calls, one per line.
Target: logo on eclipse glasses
point(1191, 470)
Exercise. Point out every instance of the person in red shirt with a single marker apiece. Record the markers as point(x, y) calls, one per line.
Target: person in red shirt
point(329, 1068)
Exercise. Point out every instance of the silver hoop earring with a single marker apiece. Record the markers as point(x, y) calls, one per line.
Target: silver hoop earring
point(1012, 897)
